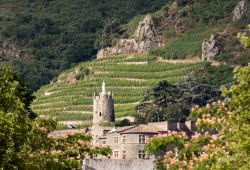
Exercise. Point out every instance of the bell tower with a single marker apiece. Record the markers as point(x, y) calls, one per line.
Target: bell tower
point(103, 107)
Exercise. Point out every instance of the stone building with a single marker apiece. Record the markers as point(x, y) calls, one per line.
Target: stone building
point(126, 142)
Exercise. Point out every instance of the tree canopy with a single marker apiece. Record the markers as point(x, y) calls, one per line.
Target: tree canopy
point(165, 101)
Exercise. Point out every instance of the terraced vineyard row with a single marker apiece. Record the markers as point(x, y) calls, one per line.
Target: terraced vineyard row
point(126, 77)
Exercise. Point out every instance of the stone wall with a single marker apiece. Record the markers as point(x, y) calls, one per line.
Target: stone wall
point(112, 164)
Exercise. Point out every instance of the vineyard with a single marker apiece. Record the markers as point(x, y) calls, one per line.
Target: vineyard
point(126, 77)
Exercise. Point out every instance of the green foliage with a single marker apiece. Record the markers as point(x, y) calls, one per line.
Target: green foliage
point(204, 18)
point(109, 32)
point(133, 24)
point(181, 2)
point(242, 59)
point(227, 149)
point(165, 101)
point(156, 100)
point(13, 94)
point(216, 75)
point(173, 112)
point(207, 11)
point(196, 91)
point(243, 38)
point(54, 35)
point(124, 122)
point(237, 132)
point(239, 95)
point(24, 138)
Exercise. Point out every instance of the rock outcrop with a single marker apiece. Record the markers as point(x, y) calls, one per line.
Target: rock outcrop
point(210, 48)
point(145, 38)
point(8, 50)
point(239, 10)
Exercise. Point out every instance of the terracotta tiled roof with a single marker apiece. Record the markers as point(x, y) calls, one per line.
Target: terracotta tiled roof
point(143, 129)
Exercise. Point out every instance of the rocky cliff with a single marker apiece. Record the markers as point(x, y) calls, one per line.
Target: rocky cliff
point(9, 50)
point(146, 37)
point(239, 10)
point(210, 48)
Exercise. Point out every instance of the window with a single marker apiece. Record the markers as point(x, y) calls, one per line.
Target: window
point(100, 114)
point(123, 154)
point(104, 142)
point(142, 138)
point(123, 139)
point(116, 139)
point(116, 154)
point(141, 154)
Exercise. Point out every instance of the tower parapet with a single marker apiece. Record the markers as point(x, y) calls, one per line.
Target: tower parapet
point(103, 107)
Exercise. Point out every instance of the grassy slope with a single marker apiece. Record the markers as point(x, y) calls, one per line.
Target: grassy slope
point(187, 44)
point(127, 77)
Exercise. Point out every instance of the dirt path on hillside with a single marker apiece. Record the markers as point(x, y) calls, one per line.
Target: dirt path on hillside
point(131, 79)
point(135, 63)
point(186, 60)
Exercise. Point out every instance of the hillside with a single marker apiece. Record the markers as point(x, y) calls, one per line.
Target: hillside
point(188, 26)
point(71, 100)
point(45, 37)
point(189, 32)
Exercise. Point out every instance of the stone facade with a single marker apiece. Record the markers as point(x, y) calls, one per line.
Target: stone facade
point(145, 38)
point(129, 142)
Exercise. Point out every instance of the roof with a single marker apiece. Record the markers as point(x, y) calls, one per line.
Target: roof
point(124, 128)
point(142, 129)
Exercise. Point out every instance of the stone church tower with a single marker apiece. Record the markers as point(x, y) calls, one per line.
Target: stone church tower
point(103, 107)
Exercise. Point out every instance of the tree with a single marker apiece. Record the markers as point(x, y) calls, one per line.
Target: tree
point(196, 90)
point(156, 100)
point(165, 101)
point(107, 34)
point(227, 149)
point(24, 141)
point(243, 38)
point(174, 112)
point(14, 95)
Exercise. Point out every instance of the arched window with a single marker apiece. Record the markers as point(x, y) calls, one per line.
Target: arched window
point(100, 114)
